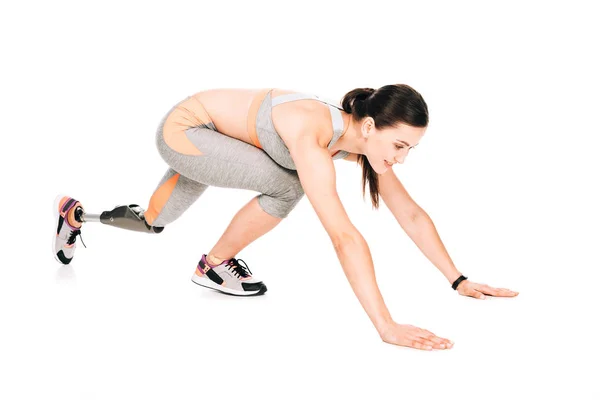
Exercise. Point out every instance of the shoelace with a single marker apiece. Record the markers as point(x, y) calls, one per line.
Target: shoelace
point(74, 235)
point(241, 270)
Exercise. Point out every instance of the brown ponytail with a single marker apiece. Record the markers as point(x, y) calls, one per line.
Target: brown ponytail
point(388, 106)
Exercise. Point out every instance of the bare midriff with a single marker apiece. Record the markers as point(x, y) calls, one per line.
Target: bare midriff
point(229, 109)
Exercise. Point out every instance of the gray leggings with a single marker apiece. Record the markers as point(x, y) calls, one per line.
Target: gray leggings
point(209, 158)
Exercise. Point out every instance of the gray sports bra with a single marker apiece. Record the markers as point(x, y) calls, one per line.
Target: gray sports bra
point(272, 142)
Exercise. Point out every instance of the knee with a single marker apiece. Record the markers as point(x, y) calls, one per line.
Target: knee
point(294, 192)
point(281, 205)
point(293, 196)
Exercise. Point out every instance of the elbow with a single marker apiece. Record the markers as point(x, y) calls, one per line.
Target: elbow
point(346, 240)
point(418, 214)
point(412, 216)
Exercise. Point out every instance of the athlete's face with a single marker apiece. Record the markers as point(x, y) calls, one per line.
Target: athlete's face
point(389, 146)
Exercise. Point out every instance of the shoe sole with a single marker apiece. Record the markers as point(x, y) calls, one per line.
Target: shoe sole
point(207, 283)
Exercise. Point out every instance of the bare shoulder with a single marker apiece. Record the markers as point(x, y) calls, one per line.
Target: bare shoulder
point(302, 118)
point(309, 123)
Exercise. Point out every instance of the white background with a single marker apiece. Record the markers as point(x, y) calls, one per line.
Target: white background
point(508, 171)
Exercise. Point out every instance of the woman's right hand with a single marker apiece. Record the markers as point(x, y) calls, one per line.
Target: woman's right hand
point(412, 336)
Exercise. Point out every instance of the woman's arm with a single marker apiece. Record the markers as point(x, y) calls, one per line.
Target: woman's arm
point(416, 223)
point(420, 228)
point(317, 175)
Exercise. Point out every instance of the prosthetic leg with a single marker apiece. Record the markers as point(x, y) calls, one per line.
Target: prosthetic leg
point(129, 217)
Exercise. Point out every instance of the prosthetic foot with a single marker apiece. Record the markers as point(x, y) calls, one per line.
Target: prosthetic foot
point(69, 217)
point(129, 217)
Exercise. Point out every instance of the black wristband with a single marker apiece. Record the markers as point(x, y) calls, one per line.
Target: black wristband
point(458, 280)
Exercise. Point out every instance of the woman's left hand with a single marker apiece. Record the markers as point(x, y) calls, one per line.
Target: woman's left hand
point(479, 290)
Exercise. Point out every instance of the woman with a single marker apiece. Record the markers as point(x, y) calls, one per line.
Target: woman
point(282, 144)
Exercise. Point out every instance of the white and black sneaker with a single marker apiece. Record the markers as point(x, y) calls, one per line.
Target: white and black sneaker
point(67, 226)
point(231, 277)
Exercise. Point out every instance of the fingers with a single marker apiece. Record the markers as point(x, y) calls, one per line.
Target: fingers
point(418, 344)
point(430, 341)
point(500, 292)
point(431, 336)
point(479, 290)
point(411, 336)
point(424, 344)
point(507, 293)
point(427, 343)
point(471, 290)
point(435, 342)
point(474, 293)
